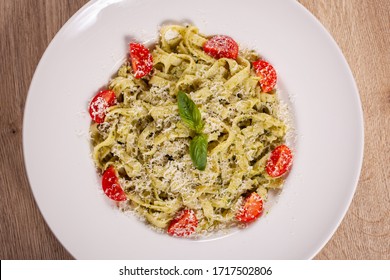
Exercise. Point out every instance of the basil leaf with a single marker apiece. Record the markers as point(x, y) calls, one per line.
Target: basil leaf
point(198, 151)
point(190, 115)
point(189, 112)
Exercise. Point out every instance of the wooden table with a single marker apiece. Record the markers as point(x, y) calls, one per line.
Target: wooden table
point(362, 30)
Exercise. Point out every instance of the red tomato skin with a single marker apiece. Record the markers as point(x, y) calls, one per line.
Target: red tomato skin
point(267, 74)
point(221, 46)
point(251, 209)
point(279, 161)
point(111, 185)
point(184, 224)
point(141, 60)
point(100, 103)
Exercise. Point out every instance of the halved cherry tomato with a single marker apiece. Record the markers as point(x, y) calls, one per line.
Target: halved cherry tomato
point(221, 46)
point(111, 185)
point(141, 60)
point(184, 224)
point(267, 74)
point(99, 105)
point(251, 209)
point(279, 161)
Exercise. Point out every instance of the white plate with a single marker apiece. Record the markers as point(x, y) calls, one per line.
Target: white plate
point(312, 73)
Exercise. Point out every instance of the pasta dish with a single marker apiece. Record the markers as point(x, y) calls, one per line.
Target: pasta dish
point(189, 135)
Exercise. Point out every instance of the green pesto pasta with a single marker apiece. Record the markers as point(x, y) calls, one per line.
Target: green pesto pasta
point(145, 140)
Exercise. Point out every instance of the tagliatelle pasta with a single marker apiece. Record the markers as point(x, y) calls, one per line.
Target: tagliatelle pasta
point(146, 142)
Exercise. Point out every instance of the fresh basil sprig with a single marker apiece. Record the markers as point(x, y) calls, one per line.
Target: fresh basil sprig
point(190, 115)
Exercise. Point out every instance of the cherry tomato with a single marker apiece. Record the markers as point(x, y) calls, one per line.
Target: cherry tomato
point(99, 105)
point(111, 185)
point(251, 209)
point(221, 46)
point(141, 60)
point(279, 161)
point(184, 224)
point(267, 74)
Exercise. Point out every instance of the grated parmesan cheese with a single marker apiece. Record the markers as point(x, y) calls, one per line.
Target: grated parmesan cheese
point(171, 34)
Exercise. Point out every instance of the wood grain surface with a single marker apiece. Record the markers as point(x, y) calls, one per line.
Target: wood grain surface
point(362, 30)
